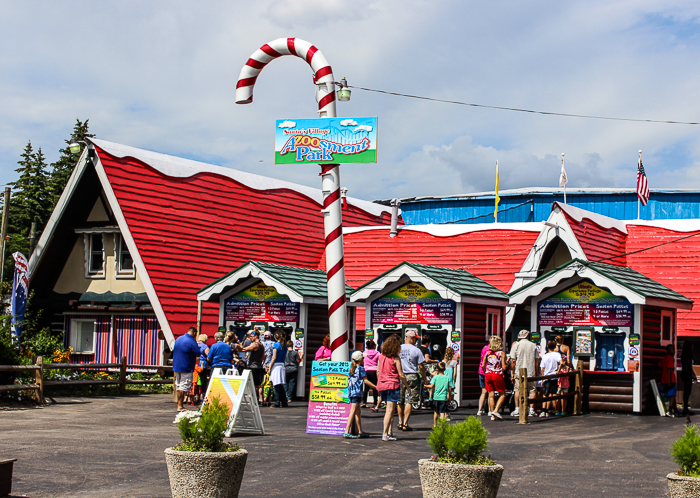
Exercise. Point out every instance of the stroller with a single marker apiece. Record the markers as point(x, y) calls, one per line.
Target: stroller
point(424, 401)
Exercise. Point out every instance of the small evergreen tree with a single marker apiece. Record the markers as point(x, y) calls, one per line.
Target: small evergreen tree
point(62, 169)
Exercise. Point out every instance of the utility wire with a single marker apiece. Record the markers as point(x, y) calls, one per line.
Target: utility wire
point(488, 214)
point(524, 110)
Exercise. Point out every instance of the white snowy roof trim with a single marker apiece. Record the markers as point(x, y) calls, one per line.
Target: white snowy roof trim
point(455, 229)
point(604, 221)
point(179, 167)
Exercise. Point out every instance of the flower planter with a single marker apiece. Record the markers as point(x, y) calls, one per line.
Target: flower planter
point(195, 474)
point(683, 486)
point(442, 480)
point(6, 476)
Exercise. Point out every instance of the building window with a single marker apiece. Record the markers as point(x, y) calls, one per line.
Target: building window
point(493, 323)
point(96, 256)
point(124, 263)
point(666, 327)
point(82, 334)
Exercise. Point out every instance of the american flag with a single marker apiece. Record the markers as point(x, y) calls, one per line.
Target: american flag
point(642, 184)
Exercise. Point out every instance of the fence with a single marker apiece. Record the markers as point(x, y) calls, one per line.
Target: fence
point(39, 382)
point(577, 393)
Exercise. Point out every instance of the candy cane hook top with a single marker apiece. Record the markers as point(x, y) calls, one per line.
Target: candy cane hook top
point(288, 46)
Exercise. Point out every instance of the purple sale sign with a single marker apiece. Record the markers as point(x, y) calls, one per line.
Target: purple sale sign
point(329, 405)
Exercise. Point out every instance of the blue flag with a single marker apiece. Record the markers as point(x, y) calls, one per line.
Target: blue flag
point(20, 291)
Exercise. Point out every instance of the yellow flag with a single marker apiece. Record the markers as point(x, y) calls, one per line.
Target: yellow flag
point(498, 199)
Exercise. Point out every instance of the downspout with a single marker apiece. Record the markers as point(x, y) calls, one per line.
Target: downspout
point(395, 203)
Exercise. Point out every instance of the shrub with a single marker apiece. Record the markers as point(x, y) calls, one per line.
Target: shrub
point(204, 431)
point(686, 452)
point(463, 443)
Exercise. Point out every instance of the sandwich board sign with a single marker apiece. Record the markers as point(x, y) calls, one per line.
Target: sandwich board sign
point(238, 393)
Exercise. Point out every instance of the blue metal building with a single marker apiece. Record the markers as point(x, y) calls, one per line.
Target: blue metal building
point(535, 204)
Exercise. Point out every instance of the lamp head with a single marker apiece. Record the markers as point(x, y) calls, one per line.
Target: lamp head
point(74, 148)
point(344, 92)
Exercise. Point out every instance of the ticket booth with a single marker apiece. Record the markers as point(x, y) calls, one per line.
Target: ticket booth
point(616, 320)
point(268, 297)
point(452, 306)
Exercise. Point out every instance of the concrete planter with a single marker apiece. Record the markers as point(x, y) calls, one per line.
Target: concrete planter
point(195, 474)
point(683, 486)
point(443, 480)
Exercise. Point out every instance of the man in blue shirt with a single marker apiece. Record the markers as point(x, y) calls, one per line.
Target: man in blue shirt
point(220, 354)
point(185, 353)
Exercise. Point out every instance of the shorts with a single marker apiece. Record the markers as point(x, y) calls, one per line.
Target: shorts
point(414, 385)
point(482, 381)
point(550, 387)
point(495, 382)
point(439, 406)
point(562, 390)
point(258, 376)
point(530, 387)
point(183, 381)
point(390, 395)
point(355, 399)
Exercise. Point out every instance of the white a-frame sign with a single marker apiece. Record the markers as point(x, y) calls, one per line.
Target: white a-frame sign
point(238, 393)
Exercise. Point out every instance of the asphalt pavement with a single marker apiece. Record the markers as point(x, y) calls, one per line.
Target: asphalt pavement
point(113, 447)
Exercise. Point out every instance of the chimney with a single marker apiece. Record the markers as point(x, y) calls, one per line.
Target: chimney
point(395, 203)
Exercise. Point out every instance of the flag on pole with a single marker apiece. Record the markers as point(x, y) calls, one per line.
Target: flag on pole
point(563, 179)
point(498, 199)
point(20, 291)
point(642, 184)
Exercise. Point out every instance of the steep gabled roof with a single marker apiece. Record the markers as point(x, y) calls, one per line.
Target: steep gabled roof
point(305, 282)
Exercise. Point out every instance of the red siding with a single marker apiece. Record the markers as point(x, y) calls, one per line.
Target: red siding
point(191, 231)
point(493, 255)
point(599, 243)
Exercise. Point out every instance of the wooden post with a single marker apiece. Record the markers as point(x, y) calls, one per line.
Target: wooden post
point(174, 389)
point(199, 316)
point(122, 376)
point(522, 397)
point(578, 399)
point(39, 379)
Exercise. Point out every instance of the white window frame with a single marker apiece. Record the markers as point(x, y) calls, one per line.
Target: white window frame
point(119, 245)
point(73, 331)
point(669, 314)
point(489, 313)
point(87, 238)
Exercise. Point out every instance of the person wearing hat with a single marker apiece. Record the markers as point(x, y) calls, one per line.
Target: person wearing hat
point(412, 362)
point(524, 355)
point(356, 380)
point(254, 360)
point(268, 344)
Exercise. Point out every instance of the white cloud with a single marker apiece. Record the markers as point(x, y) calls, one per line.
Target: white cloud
point(287, 124)
point(348, 122)
point(363, 128)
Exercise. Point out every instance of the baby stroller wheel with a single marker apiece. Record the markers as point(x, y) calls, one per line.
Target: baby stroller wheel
point(452, 405)
point(416, 405)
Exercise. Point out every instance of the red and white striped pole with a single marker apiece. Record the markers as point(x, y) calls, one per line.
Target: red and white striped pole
point(330, 173)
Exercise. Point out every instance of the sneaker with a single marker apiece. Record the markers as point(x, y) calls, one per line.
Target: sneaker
point(515, 413)
point(490, 414)
point(388, 437)
point(497, 415)
point(532, 413)
point(543, 414)
point(480, 413)
point(493, 418)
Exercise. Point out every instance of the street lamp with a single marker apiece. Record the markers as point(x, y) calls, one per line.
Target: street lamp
point(75, 147)
point(344, 92)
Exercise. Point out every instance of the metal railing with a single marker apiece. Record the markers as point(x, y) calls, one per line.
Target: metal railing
point(39, 383)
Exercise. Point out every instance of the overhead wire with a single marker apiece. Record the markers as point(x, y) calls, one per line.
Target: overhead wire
point(530, 111)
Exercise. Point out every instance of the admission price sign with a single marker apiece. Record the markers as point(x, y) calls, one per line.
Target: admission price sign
point(413, 303)
point(260, 303)
point(326, 140)
point(329, 404)
point(585, 304)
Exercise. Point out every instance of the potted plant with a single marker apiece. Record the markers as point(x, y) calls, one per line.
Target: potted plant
point(458, 466)
point(686, 453)
point(203, 465)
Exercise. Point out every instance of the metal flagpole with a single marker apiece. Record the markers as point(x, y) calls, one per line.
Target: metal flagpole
point(498, 199)
point(639, 202)
point(563, 170)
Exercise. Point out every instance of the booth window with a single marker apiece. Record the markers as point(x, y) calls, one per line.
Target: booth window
point(124, 262)
point(82, 335)
point(666, 327)
point(95, 254)
point(493, 323)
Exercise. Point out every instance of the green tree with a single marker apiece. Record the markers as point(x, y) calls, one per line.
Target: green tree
point(62, 169)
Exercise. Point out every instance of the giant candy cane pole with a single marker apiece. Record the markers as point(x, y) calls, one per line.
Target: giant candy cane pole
point(330, 173)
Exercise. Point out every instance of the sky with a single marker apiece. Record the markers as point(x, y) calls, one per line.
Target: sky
point(161, 75)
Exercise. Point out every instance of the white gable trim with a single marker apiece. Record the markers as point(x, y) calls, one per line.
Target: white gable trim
point(396, 274)
point(133, 250)
point(249, 270)
point(560, 280)
point(601, 220)
point(58, 211)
